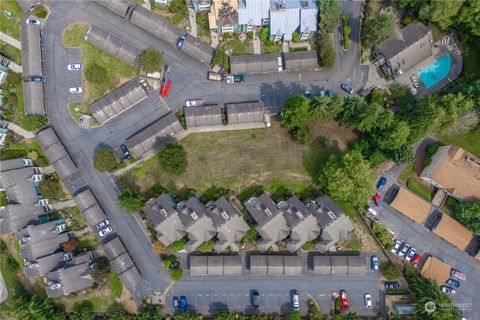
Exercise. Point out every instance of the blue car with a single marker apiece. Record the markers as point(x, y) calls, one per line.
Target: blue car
point(381, 183)
point(329, 93)
point(345, 87)
point(175, 303)
point(183, 303)
point(375, 263)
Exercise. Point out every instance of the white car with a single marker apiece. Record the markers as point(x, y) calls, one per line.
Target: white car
point(76, 90)
point(403, 249)
point(102, 224)
point(195, 103)
point(32, 21)
point(410, 254)
point(295, 300)
point(105, 231)
point(367, 299)
point(75, 67)
point(396, 246)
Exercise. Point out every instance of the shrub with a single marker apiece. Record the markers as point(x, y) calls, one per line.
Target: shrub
point(131, 201)
point(207, 246)
point(326, 52)
point(101, 268)
point(426, 162)
point(176, 274)
point(390, 271)
point(168, 260)
point(250, 35)
point(151, 60)
point(104, 160)
point(433, 148)
point(50, 188)
point(227, 35)
point(264, 31)
point(95, 73)
point(295, 37)
point(173, 158)
point(178, 245)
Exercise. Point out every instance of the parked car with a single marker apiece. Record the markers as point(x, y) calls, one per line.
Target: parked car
point(74, 90)
point(411, 252)
point(372, 211)
point(321, 93)
point(295, 300)
point(102, 224)
point(126, 154)
point(415, 260)
point(403, 249)
point(344, 300)
point(376, 199)
point(176, 303)
point(307, 94)
point(458, 275)
point(183, 303)
point(375, 263)
point(105, 231)
point(75, 67)
point(329, 92)
point(254, 296)
point(447, 289)
point(396, 246)
point(391, 285)
point(280, 64)
point(194, 103)
point(214, 76)
point(367, 299)
point(345, 87)
point(181, 42)
point(453, 282)
point(36, 79)
point(238, 78)
point(32, 21)
point(381, 183)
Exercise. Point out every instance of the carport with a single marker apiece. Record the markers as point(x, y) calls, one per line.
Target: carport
point(301, 61)
point(232, 265)
point(322, 265)
point(357, 265)
point(85, 200)
point(198, 49)
point(339, 265)
point(118, 6)
point(114, 248)
point(251, 63)
point(258, 264)
point(94, 215)
point(275, 265)
point(292, 265)
point(215, 265)
point(33, 98)
point(198, 265)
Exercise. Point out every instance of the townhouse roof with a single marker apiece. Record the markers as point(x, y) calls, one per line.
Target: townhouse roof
point(293, 15)
point(31, 50)
point(191, 211)
point(14, 164)
point(119, 100)
point(436, 270)
point(114, 248)
point(134, 282)
point(196, 222)
point(457, 171)
point(23, 192)
point(453, 231)
point(85, 200)
point(198, 49)
point(252, 12)
point(94, 215)
point(301, 61)
point(113, 44)
point(411, 205)
point(203, 116)
point(42, 232)
point(14, 217)
point(159, 132)
point(33, 98)
point(122, 263)
point(245, 112)
point(118, 6)
point(72, 279)
point(257, 63)
point(45, 264)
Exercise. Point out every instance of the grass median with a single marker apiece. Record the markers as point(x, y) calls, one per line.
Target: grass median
point(10, 24)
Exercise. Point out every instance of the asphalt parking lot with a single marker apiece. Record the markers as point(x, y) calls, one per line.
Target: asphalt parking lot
point(74, 78)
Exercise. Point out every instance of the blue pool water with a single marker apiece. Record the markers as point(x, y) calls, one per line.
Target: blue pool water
point(436, 71)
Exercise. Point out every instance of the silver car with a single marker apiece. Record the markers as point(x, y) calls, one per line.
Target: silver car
point(403, 249)
point(102, 224)
point(105, 231)
point(75, 67)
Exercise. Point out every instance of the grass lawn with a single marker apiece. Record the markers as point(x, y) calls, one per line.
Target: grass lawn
point(237, 47)
point(407, 173)
point(27, 148)
point(271, 48)
point(246, 158)
point(115, 284)
point(419, 189)
point(353, 243)
point(118, 72)
point(11, 52)
point(40, 12)
point(74, 220)
point(468, 140)
point(9, 267)
point(10, 25)
point(3, 199)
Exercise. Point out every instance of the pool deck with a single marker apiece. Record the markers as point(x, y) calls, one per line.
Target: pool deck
point(439, 50)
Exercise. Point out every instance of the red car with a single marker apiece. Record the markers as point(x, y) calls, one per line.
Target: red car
point(376, 199)
point(344, 299)
point(165, 88)
point(415, 260)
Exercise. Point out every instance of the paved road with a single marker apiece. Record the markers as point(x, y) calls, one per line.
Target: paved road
point(189, 81)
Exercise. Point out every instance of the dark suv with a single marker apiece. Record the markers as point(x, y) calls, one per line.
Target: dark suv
point(254, 298)
point(125, 152)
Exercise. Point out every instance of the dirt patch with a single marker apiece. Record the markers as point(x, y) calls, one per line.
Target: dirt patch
point(127, 302)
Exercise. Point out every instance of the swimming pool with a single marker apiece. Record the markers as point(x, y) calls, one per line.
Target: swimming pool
point(436, 71)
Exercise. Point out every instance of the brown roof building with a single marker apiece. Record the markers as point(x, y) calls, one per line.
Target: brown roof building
point(411, 205)
point(435, 269)
point(456, 171)
point(453, 231)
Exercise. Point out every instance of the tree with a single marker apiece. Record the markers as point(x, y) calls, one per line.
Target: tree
point(392, 137)
point(131, 201)
point(401, 155)
point(151, 60)
point(104, 160)
point(454, 105)
point(390, 271)
point(469, 215)
point(296, 113)
point(294, 315)
point(303, 135)
point(379, 28)
point(348, 178)
point(326, 51)
point(351, 316)
point(224, 315)
point(364, 116)
point(221, 58)
point(469, 18)
point(95, 73)
point(83, 311)
point(329, 12)
point(264, 32)
point(176, 274)
point(427, 291)
point(326, 107)
point(441, 12)
point(400, 96)
point(173, 158)
point(295, 37)
point(101, 268)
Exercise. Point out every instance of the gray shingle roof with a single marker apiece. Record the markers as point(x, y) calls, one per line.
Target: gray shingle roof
point(327, 265)
point(357, 265)
point(196, 222)
point(322, 265)
point(118, 100)
point(198, 49)
point(292, 265)
point(198, 265)
point(56, 152)
point(122, 263)
point(33, 98)
point(85, 200)
point(114, 248)
point(232, 265)
point(72, 279)
point(301, 61)
point(23, 192)
point(215, 265)
point(14, 217)
point(65, 167)
point(94, 215)
point(258, 264)
point(134, 282)
point(14, 164)
point(275, 265)
point(31, 51)
point(11, 178)
point(339, 264)
point(203, 116)
point(44, 265)
point(254, 63)
point(47, 137)
point(154, 135)
point(118, 6)
point(245, 112)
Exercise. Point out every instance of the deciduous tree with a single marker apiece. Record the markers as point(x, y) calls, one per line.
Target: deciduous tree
point(151, 60)
point(104, 160)
point(469, 215)
point(296, 112)
point(329, 13)
point(173, 158)
point(131, 201)
point(379, 28)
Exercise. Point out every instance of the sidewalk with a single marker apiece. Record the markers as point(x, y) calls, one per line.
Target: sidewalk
point(214, 37)
point(64, 204)
point(20, 131)
point(192, 17)
point(256, 44)
point(15, 67)
point(11, 41)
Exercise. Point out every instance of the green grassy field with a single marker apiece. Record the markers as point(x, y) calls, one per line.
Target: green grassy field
point(246, 158)
point(24, 149)
point(419, 189)
point(11, 52)
point(468, 140)
point(238, 47)
point(118, 72)
point(407, 173)
point(10, 25)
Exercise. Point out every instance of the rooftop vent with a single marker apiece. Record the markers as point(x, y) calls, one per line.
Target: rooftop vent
point(474, 161)
point(163, 212)
point(332, 215)
point(268, 212)
point(299, 214)
point(225, 215)
point(194, 215)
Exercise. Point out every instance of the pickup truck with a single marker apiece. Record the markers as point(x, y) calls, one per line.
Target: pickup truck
point(214, 76)
point(237, 78)
point(195, 103)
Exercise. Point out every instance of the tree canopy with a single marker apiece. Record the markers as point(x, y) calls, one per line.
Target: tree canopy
point(329, 13)
point(326, 52)
point(296, 112)
point(469, 215)
point(151, 60)
point(364, 116)
point(378, 28)
point(173, 158)
point(131, 201)
point(104, 160)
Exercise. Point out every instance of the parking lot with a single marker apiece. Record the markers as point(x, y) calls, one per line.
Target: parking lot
point(74, 78)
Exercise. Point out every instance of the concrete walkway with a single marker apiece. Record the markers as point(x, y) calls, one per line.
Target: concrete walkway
point(15, 67)
point(257, 48)
point(214, 38)
point(11, 41)
point(64, 204)
point(20, 131)
point(48, 170)
point(147, 5)
point(192, 18)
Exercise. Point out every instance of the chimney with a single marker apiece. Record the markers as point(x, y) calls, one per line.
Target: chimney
point(305, 4)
